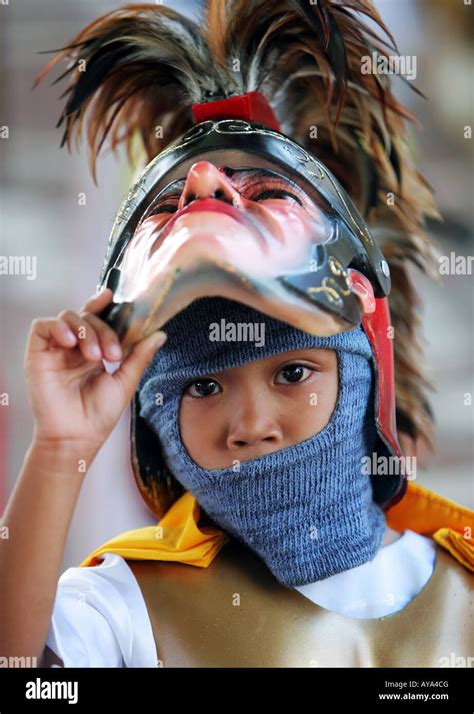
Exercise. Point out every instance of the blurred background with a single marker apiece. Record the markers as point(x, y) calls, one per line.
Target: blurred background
point(42, 216)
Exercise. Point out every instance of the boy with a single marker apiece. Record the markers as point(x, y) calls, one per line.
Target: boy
point(301, 516)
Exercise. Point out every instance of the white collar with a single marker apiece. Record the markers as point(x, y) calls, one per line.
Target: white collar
point(382, 586)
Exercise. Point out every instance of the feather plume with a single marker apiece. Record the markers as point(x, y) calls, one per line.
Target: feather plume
point(144, 65)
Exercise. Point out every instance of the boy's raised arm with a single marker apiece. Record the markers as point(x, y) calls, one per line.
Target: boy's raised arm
point(76, 404)
point(38, 516)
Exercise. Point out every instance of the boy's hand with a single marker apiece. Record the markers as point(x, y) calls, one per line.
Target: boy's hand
point(75, 400)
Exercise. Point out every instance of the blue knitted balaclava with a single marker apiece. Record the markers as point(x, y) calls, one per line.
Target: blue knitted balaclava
point(306, 510)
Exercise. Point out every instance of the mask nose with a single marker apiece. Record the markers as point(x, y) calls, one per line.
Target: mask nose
point(204, 180)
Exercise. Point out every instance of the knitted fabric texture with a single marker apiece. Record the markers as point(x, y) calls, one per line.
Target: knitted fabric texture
point(306, 510)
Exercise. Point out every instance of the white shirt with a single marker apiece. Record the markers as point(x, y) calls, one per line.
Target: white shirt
point(100, 618)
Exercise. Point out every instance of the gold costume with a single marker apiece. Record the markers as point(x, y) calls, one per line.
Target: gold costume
point(229, 611)
point(236, 614)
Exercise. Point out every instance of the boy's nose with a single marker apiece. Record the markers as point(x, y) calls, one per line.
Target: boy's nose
point(204, 180)
point(253, 428)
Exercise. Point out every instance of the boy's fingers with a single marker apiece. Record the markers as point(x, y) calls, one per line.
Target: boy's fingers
point(108, 339)
point(87, 341)
point(139, 357)
point(43, 331)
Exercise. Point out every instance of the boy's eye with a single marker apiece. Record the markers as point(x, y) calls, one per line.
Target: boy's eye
point(202, 388)
point(294, 373)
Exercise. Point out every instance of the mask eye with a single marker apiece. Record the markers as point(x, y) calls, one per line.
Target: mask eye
point(202, 388)
point(276, 193)
point(166, 208)
point(169, 204)
point(261, 188)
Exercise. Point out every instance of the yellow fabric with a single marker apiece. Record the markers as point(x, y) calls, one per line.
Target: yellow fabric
point(459, 546)
point(428, 513)
point(177, 537)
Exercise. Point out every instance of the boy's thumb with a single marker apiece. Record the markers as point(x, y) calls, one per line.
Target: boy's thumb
point(140, 356)
point(155, 340)
point(145, 350)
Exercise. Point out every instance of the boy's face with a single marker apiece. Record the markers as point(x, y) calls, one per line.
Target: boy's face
point(259, 407)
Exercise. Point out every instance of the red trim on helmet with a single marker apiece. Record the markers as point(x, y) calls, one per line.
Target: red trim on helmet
point(362, 287)
point(251, 106)
point(377, 326)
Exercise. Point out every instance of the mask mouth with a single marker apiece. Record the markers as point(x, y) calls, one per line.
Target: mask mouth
point(208, 205)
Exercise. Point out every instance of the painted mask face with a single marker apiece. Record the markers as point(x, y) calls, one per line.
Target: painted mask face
point(223, 231)
point(235, 209)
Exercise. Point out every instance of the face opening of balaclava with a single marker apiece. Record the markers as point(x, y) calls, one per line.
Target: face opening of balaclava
point(306, 510)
